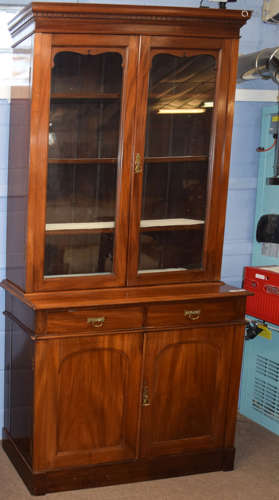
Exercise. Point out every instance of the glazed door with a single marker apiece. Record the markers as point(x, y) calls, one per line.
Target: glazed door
point(87, 400)
point(176, 222)
point(185, 389)
point(88, 163)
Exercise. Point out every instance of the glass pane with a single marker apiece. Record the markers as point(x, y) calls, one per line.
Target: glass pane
point(169, 250)
point(78, 253)
point(179, 116)
point(81, 192)
point(83, 150)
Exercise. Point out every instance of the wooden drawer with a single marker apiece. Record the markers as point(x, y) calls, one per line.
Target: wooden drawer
point(194, 312)
point(94, 320)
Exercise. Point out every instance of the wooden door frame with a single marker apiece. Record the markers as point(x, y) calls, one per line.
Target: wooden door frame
point(219, 156)
point(35, 280)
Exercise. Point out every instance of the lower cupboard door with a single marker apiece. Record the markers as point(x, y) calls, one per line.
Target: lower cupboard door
point(87, 397)
point(185, 386)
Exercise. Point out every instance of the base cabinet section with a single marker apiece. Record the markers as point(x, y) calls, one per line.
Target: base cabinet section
point(103, 401)
point(126, 406)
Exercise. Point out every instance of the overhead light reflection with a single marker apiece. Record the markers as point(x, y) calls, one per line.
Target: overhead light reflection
point(208, 104)
point(166, 111)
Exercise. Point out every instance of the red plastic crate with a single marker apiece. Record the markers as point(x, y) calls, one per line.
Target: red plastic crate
point(264, 283)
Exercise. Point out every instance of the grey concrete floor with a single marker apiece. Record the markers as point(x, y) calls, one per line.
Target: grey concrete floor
point(256, 477)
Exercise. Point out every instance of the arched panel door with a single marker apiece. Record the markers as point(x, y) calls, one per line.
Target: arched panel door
point(185, 390)
point(91, 400)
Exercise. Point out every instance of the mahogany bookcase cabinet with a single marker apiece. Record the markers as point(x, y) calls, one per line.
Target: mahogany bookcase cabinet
point(123, 347)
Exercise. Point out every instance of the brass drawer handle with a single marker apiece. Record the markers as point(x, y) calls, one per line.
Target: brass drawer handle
point(96, 322)
point(192, 315)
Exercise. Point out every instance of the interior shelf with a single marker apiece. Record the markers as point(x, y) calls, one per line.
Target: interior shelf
point(149, 159)
point(169, 224)
point(108, 226)
point(175, 159)
point(82, 160)
point(94, 96)
point(80, 227)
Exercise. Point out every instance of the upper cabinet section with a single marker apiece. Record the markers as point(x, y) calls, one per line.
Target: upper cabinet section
point(131, 117)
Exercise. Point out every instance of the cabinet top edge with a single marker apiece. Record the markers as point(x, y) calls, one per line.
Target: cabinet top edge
point(125, 296)
point(39, 13)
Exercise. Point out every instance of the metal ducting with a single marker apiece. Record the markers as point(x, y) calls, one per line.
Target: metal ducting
point(271, 11)
point(262, 64)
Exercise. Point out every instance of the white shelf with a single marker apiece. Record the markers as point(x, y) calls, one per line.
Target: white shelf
point(80, 225)
point(51, 276)
point(166, 270)
point(71, 226)
point(170, 222)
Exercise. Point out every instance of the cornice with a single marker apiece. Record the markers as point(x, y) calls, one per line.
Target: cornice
point(43, 16)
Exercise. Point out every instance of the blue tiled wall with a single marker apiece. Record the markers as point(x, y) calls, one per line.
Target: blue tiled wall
point(4, 142)
point(267, 195)
point(244, 160)
point(242, 191)
point(255, 35)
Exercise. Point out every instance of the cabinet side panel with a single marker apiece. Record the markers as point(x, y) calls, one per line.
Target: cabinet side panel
point(19, 162)
point(19, 388)
point(238, 343)
point(7, 376)
point(20, 311)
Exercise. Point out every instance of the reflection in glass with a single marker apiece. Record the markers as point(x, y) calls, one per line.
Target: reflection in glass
point(83, 150)
point(84, 129)
point(171, 249)
point(174, 190)
point(81, 192)
point(78, 253)
point(174, 197)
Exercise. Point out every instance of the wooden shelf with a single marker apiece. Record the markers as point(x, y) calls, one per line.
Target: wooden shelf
point(82, 160)
point(148, 159)
point(175, 159)
point(82, 97)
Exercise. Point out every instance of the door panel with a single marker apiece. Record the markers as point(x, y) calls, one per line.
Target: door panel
point(186, 377)
point(83, 213)
point(177, 121)
point(91, 400)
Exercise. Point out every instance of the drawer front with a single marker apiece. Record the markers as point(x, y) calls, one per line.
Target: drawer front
point(94, 320)
point(194, 312)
